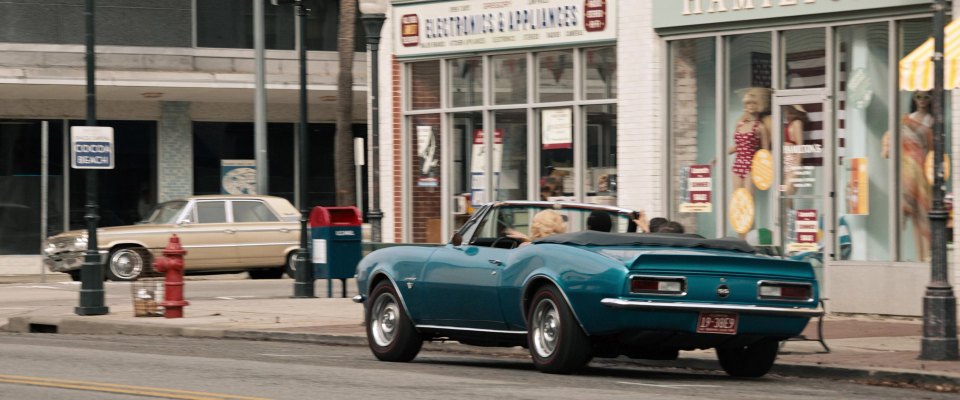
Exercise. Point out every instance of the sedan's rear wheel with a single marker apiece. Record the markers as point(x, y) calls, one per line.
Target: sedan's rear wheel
point(126, 263)
point(751, 361)
point(556, 342)
point(390, 333)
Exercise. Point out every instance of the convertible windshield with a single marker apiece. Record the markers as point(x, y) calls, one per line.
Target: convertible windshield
point(517, 219)
point(166, 213)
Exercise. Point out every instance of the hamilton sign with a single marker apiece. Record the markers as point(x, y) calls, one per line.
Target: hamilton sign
point(469, 26)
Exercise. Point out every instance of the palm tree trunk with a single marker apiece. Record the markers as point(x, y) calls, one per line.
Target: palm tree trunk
point(343, 143)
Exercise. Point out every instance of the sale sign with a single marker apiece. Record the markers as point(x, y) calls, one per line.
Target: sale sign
point(805, 228)
point(699, 190)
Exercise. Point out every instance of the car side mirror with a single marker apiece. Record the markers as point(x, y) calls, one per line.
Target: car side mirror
point(457, 239)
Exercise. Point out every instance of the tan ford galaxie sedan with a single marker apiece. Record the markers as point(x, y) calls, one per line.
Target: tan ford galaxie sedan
point(226, 233)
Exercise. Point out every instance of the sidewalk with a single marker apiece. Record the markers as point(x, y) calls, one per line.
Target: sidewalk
point(863, 348)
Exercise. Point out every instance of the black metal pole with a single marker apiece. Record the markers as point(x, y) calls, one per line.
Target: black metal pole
point(373, 23)
point(939, 304)
point(304, 285)
point(91, 273)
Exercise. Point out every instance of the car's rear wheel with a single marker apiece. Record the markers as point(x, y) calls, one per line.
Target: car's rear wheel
point(557, 343)
point(390, 333)
point(290, 268)
point(126, 263)
point(751, 361)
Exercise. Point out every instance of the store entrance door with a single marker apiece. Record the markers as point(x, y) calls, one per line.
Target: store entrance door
point(804, 130)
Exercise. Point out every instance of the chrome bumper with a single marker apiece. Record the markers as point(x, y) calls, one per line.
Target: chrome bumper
point(65, 262)
point(741, 309)
point(359, 298)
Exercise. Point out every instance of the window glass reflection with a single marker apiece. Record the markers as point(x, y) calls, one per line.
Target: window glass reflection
point(466, 81)
point(555, 76)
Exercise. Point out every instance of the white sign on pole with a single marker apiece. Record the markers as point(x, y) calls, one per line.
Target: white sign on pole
point(91, 147)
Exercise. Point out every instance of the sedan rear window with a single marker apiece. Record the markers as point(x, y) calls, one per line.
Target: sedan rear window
point(252, 211)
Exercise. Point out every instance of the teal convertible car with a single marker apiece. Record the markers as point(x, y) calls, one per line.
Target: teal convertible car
point(598, 292)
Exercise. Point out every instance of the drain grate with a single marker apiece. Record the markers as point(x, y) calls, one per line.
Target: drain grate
point(43, 328)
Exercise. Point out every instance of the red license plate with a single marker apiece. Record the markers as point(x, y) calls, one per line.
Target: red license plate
point(721, 323)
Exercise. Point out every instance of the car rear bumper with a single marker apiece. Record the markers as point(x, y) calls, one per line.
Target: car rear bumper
point(66, 262)
point(709, 307)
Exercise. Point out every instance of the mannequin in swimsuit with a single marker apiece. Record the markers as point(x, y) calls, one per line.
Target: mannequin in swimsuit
point(751, 134)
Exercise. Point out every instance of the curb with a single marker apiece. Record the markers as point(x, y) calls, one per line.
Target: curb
point(880, 376)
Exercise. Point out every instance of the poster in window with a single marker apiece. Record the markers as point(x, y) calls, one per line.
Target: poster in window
point(556, 130)
point(238, 176)
point(427, 152)
point(858, 187)
point(478, 164)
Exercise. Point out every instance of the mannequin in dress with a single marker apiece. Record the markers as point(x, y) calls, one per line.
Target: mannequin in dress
point(916, 140)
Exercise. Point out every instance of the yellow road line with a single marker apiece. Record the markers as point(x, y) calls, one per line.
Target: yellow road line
point(121, 389)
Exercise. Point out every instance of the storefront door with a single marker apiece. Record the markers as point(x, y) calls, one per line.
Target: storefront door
point(804, 131)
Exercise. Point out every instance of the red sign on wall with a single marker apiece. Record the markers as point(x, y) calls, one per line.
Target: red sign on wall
point(595, 15)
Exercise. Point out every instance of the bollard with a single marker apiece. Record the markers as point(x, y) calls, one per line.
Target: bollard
point(171, 264)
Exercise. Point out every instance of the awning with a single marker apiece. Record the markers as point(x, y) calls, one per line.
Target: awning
point(916, 69)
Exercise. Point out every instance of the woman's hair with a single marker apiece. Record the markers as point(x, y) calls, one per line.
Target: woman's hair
point(759, 95)
point(546, 223)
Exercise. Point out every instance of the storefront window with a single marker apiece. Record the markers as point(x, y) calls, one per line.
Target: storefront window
point(751, 212)
point(425, 172)
point(693, 134)
point(805, 61)
point(466, 81)
point(555, 76)
point(510, 154)
point(424, 93)
point(601, 73)
point(468, 163)
point(600, 181)
point(865, 195)
point(915, 130)
point(21, 178)
point(509, 79)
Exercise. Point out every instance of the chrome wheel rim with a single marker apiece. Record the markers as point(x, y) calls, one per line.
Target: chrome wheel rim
point(292, 264)
point(126, 264)
point(546, 328)
point(384, 319)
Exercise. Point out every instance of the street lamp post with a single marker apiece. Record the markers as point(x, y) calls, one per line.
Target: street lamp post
point(303, 287)
point(939, 304)
point(91, 273)
point(374, 13)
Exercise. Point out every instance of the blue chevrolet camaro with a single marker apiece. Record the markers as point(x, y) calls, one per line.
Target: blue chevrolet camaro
point(573, 296)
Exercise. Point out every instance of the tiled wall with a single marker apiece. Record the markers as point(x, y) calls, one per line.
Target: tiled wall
point(175, 150)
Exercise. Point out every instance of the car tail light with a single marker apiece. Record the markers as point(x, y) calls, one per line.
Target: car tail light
point(668, 285)
point(786, 291)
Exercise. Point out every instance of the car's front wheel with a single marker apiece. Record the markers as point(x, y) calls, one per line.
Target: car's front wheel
point(556, 342)
point(126, 263)
point(290, 268)
point(390, 333)
point(751, 361)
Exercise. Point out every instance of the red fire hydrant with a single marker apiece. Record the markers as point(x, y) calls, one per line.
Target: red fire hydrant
point(171, 264)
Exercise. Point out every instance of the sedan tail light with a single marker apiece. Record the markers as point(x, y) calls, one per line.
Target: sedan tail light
point(665, 285)
point(786, 291)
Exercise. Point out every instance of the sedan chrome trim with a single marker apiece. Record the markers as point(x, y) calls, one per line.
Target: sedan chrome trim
point(743, 309)
point(359, 298)
point(455, 328)
point(239, 245)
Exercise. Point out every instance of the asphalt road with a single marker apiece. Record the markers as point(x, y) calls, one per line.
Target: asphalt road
point(52, 366)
